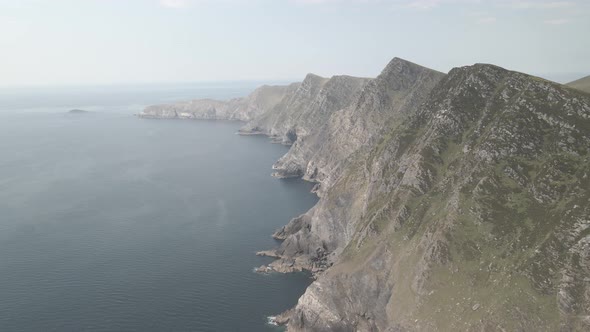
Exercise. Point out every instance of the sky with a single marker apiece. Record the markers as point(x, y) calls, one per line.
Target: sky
point(69, 42)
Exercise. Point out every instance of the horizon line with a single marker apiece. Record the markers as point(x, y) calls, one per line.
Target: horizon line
point(574, 75)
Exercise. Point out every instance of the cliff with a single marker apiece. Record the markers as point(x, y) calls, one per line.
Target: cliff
point(262, 99)
point(303, 112)
point(314, 240)
point(470, 214)
point(447, 202)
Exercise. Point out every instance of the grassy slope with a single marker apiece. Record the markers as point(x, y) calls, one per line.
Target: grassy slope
point(493, 249)
point(582, 84)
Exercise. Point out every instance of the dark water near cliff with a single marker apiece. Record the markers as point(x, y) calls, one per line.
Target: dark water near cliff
point(112, 223)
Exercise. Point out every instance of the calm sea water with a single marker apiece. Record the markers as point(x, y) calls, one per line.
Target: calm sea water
point(113, 223)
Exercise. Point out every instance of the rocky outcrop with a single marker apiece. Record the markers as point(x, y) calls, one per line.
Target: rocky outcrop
point(320, 235)
point(261, 100)
point(306, 110)
point(450, 202)
point(397, 91)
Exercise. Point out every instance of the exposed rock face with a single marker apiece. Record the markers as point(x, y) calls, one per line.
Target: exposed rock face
point(321, 234)
point(450, 202)
point(479, 199)
point(399, 89)
point(244, 109)
point(306, 110)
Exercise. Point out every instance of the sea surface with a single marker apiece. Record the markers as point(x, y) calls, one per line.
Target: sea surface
point(113, 223)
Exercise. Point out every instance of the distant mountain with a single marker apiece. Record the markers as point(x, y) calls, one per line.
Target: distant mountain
point(448, 202)
point(244, 109)
point(582, 84)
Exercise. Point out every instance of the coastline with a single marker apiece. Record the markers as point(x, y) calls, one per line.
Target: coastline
point(392, 159)
point(281, 263)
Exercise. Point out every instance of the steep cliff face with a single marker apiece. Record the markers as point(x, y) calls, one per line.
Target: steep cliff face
point(307, 109)
point(397, 91)
point(471, 214)
point(314, 240)
point(456, 202)
point(261, 100)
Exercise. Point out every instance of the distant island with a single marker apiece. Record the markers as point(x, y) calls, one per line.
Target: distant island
point(77, 111)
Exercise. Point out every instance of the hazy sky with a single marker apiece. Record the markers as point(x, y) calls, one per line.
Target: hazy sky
point(128, 41)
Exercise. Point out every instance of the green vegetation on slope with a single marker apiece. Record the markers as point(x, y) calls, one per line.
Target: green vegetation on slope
point(583, 84)
point(474, 213)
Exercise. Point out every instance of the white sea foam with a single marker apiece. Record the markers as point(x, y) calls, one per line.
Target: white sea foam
point(272, 320)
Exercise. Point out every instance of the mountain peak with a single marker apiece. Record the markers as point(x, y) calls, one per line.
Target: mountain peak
point(399, 65)
point(313, 77)
point(481, 72)
point(480, 68)
point(400, 72)
point(312, 82)
point(482, 76)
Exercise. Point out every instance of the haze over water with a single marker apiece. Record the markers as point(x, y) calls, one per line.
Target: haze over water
point(109, 222)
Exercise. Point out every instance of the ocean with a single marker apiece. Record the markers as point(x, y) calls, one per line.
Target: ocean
point(109, 222)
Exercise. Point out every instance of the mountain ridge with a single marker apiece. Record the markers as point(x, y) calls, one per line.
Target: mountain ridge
point(433, 244)
point(448, 202)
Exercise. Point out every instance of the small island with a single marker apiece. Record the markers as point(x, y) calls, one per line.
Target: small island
point(77, 111)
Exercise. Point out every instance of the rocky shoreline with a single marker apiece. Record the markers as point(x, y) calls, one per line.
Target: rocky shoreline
point(448, 202)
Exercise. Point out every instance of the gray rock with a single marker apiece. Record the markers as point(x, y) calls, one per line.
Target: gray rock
point(435, 190)
point(243, 109)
